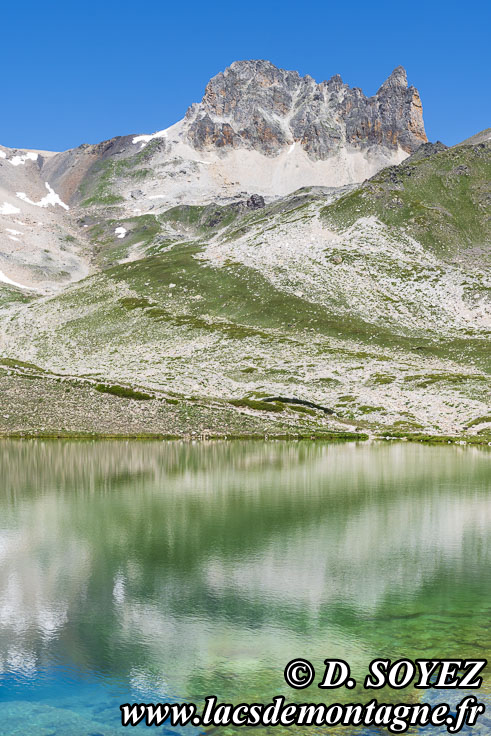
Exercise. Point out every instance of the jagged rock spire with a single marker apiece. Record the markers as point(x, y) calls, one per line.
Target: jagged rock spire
point(397, 79)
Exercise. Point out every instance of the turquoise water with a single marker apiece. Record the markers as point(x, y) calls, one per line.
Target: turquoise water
point(137, 572)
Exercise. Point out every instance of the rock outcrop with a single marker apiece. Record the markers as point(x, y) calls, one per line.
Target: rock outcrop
point(255, 105)
point(426, 150)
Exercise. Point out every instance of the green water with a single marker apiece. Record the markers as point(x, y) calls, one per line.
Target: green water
point(155, 571)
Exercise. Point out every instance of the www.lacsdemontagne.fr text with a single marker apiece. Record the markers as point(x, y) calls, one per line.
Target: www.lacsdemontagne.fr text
point(396, 718)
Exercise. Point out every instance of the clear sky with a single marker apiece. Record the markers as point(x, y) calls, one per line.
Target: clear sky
point(75, 72)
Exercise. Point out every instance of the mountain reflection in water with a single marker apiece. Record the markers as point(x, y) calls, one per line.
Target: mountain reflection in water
point(181, 570)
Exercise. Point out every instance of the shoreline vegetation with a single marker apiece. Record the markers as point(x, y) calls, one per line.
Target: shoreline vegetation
point(36, 405)
point(315, 436)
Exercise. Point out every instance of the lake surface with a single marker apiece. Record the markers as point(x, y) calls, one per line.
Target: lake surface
point(141, 571)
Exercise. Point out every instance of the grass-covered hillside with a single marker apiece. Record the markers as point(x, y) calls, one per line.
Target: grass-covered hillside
point(443, 201)
point(359, 308)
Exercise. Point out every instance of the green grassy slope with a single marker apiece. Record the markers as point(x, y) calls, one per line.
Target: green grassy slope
point(443, 200)
point(371, 305)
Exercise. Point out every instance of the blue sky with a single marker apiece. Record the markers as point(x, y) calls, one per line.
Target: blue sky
point(76, 72)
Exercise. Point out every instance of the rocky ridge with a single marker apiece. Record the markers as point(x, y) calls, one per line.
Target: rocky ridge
point(255, 105)
point(259, 130)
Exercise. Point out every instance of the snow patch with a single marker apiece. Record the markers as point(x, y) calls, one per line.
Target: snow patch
point(13, 232)
point(12, 237)
point(50, 198)
point(8, 209)
point(144, 139)
point(120, 232)
point(3, 154)
point(5, 279)
point(20, 160)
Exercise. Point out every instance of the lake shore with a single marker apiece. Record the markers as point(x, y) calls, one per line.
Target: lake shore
point(474, 440)
point(34, 404)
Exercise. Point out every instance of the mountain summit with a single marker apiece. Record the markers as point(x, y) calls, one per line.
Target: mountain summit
point(258, 129)
point(289, 257)
point(255, 105)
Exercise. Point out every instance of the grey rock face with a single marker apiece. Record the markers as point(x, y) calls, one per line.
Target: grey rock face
point(255, 202)
point(255, 105)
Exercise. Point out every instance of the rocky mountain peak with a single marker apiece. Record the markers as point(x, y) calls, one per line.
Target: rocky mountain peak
point(397, 79)
point(335, 81)
point(255, 105)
